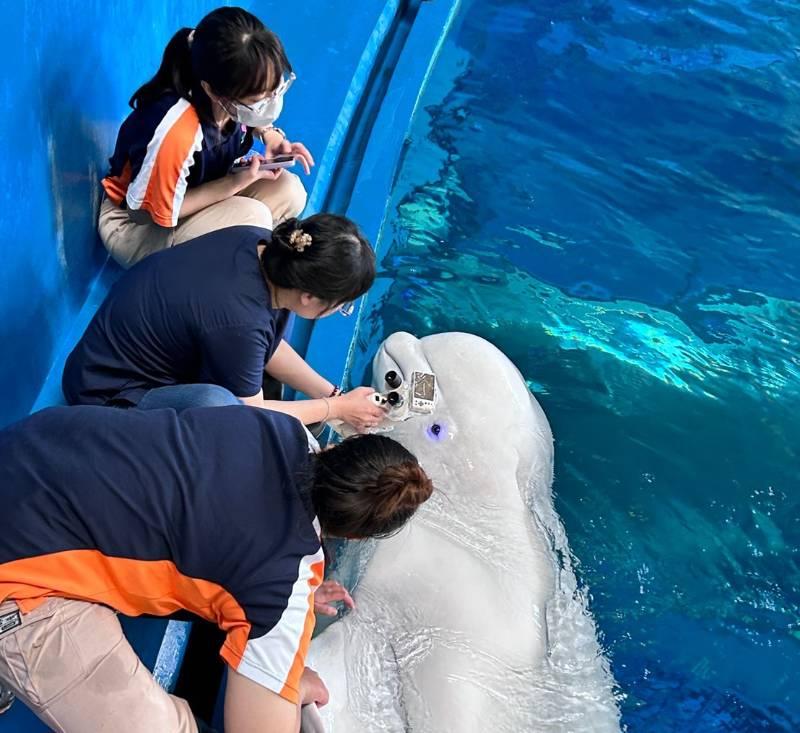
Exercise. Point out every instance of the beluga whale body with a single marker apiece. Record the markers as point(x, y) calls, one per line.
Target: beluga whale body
point(470, 619)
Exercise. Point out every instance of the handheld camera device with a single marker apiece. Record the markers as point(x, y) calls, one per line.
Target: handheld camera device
point(405, 399)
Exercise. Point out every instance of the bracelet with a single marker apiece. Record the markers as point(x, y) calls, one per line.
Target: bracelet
point(336, 391)
point(328, 409)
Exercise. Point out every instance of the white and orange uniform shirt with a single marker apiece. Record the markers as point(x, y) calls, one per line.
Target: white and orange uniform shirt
point(154, 512)
point(162, 150)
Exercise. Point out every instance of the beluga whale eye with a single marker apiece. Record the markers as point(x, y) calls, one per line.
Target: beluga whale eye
point(436, 432)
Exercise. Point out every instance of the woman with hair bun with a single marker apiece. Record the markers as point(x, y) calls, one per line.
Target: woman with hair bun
point(171, 177)
point(218, 512)
point(199, 325)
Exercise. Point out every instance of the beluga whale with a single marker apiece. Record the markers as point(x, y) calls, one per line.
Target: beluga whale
point(470, 619)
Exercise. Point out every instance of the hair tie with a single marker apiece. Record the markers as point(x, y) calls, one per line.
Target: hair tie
point(299, 240)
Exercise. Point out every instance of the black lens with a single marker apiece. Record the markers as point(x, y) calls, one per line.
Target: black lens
point(394, 399)
point(393, 379)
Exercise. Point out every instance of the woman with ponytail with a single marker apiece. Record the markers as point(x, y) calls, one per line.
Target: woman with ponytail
point(171, 176)
point(218, 512)
point(199, 325)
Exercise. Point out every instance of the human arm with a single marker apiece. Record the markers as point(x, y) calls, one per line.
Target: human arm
point(288, 367)
point(234, 359)
point(355, 408)
point(160, 190)
point(202, 196)
point(252, 708)
point(270, 651)
point(275, 143)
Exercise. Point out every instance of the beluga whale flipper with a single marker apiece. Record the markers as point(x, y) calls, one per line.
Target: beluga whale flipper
point(470, 618)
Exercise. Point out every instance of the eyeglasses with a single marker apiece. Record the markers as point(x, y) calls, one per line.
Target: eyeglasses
point(280, 90)
point(283, 87)
point(347, 309)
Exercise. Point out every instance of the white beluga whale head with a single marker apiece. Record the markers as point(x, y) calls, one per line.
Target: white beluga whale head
point(470, 618)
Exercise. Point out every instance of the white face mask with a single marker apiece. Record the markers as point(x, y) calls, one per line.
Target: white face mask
point(258, 114)
point(265, 112)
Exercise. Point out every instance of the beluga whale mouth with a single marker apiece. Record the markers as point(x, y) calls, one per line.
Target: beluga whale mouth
point(470, 618)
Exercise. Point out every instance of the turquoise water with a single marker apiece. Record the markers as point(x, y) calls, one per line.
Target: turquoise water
point(610, 192)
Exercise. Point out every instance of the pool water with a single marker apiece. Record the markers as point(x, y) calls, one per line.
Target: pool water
point(610, 192)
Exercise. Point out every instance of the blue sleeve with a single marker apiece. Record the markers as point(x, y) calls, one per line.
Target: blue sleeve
point(234, 358)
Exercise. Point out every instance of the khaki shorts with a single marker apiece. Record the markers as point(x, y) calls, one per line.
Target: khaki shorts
point(263, 203)
point(70, 663)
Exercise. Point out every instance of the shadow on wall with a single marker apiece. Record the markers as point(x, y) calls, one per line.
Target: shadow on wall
point(51, 192)
point(72, 65)
point(76, 156)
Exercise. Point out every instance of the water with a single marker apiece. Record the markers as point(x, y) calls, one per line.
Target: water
point(610, 192)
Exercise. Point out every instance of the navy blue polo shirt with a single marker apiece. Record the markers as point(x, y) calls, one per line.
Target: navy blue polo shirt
point(153, 512)
point(200, 312)
point(163, 149)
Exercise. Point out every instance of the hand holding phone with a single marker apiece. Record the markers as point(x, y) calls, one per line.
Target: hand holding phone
point(267, 164)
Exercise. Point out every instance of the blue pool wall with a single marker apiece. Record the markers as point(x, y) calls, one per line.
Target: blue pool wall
point(76, 64)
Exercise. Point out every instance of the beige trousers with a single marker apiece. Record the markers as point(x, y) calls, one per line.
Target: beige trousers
point(263, 203)
point(70, 663)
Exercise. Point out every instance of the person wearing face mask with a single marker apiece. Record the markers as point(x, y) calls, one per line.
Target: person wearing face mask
point(171, 178)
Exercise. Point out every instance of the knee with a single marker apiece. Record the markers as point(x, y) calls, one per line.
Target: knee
point(212, 395)
point(247, 211)
point(285, 196)
point(295, 195)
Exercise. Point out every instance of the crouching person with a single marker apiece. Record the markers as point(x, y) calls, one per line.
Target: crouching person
point(217, 511)
point(199, 325)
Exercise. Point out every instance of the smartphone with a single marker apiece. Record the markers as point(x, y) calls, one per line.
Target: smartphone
point(269, 164)
point(423, 392)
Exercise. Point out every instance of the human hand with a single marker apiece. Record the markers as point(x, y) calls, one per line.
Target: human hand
point(328, 592)
point(312, 688)
point(251, 174)
point(301, 154)
point(357, 408)
point(276, 144)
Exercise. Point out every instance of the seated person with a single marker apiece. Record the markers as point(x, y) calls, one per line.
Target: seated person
point(193, 324)
point(219, 512)
point(171, 176)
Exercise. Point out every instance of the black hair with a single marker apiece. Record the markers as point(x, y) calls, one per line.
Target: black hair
point(325, 255)
point(231, 50)
point(367, 486)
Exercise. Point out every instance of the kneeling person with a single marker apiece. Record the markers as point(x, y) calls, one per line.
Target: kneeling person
point(211, 314)
point(215, 511)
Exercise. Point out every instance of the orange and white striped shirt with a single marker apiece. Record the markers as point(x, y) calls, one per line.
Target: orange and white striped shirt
point(153, 512)
point(162, 150)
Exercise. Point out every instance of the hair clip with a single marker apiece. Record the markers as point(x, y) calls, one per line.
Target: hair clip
point(299, 240)
point(190, 37)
